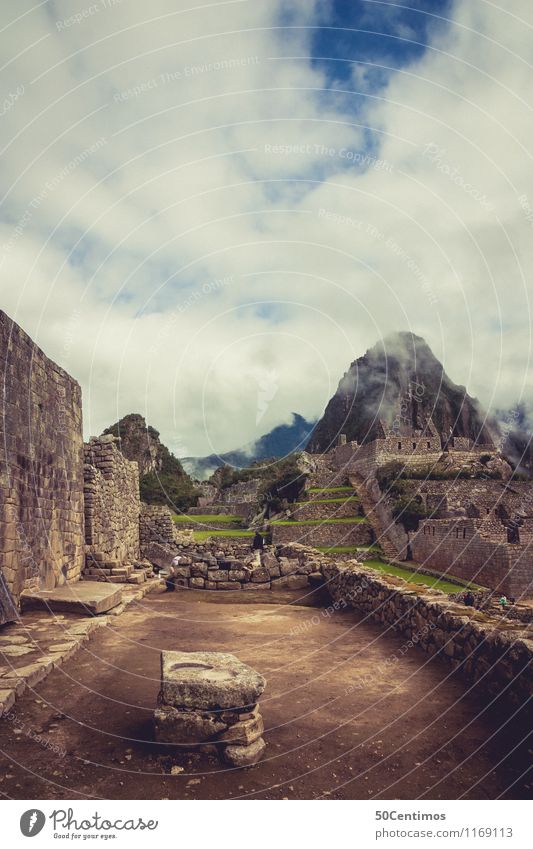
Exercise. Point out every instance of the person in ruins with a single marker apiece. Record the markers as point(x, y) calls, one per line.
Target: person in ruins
point(257, 547)
point(170, 577)
point(258, 543)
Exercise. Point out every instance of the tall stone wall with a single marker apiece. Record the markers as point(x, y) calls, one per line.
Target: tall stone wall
point(112, 503)
point(41, 467)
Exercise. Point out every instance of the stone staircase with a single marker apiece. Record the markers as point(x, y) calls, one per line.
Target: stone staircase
point(390, 536)
point(116, 572)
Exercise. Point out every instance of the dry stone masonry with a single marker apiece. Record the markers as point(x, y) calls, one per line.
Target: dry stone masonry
point(288, 567)
point(112, 509)
point(487, 649)
point(41, 468)
point(208, 700)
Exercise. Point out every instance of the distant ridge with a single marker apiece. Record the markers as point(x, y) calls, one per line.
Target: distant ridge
point(280, 441)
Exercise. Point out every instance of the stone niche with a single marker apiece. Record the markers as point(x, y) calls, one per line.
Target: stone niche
point(41, 467)
point(112, 503)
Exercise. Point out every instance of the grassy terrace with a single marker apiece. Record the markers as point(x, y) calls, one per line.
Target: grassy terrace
point(331, 489)
point(328, 500)
point(350, 520)
point(204, 520)
point(347, 549)
point(201, 536)
point(444, 584)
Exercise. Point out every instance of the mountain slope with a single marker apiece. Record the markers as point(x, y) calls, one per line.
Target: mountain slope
point(279, 442)
point(398, 382)
point(163, 479)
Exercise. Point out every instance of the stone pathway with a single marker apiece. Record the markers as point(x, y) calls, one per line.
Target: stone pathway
point(41, 641)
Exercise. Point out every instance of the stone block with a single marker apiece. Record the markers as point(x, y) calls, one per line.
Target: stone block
point(197, 583)
point(242, 756)
point(218, 575)
point(288, 567)
point(244, 732)
point(251, 586)
point(7, 700)
point(176, 726)
point(207, 681)
point(291, 582)
point(260, 575)
point(238, 575)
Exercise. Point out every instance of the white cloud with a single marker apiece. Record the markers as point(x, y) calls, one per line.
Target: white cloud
point(219, 151)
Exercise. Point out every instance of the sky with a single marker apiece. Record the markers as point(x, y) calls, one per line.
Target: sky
point(210, 209)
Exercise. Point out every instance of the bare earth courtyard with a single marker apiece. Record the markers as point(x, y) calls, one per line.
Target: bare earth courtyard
point(349, 712)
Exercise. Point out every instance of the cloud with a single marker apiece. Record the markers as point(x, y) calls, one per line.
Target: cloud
point(190, 202)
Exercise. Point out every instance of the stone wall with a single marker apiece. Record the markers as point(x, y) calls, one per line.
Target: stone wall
point(207, 568)
point(473, 643)
point(478, 496)
point(324, 534)
point(459, 547)
point(413, 451)
point(41, 467)
point(157, 525)
point(338, 509)
point(112, 503)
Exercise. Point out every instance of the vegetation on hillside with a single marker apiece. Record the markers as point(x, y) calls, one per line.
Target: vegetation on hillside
point(281, 481)
point(170, 486)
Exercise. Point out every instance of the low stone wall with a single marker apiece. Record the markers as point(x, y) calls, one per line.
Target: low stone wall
point(288, 567)
point(491, 651)
point(323, 534)
point(112, 503)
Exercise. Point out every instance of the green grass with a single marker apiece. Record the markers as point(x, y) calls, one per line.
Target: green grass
point(352, 520)
point(328, 500)
point(347, 549)
point(204, 520)
point(201, 536)
point(443, 584)
point(331, 489)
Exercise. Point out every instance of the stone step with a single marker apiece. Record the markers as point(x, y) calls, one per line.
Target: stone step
point(84, 597)
point(137, 578)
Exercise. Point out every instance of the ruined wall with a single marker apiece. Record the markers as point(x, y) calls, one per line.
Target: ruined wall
point(478, 495)
point(413, 451)
point(156, 525)
point(112, 503)
point(41, 466)
point(459, 547)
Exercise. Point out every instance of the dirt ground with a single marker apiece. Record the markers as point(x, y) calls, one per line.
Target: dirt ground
point(350, 712)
